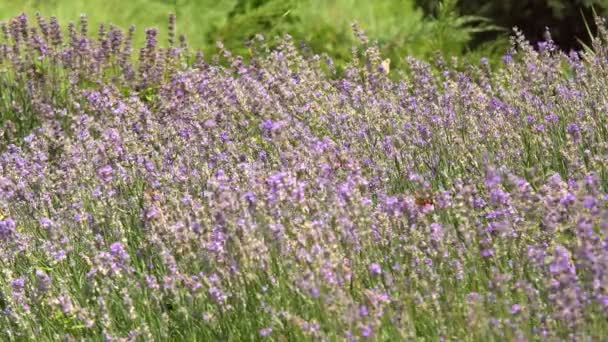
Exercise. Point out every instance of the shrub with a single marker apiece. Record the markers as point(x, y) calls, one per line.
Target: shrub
point(565, 18)
point(160, 198)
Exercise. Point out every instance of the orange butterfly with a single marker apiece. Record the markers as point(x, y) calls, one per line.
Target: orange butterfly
point(425, 202)
point(422, 201)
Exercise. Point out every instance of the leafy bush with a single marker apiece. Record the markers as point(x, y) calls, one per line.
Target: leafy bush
point(448, 33)
point(565, 18)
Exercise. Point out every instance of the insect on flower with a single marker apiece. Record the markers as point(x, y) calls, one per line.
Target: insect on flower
point(425, 201)
point(422, 201)
point(386, 66)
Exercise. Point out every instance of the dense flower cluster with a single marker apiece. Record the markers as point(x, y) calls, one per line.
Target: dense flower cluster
point(175, 198)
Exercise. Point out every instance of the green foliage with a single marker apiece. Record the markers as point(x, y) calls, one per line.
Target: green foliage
point(449, 32)
point(269, 17)
point(399, 28)
point(325, 27)
point(195, 18)
point(565, 18)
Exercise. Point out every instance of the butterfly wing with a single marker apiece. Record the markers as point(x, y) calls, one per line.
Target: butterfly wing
point(386, 66)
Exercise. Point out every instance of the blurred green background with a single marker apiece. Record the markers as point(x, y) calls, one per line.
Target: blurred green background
point(469, 28)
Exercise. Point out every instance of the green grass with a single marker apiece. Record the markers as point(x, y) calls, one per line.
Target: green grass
point(196, 18)
point(326, 25)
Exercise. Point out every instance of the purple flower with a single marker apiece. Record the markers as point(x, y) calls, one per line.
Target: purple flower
point(43, 282)
point(473, 297)
point(366, 331)
point(45, 222)
point(18, 284)
point(118, 251)
point(151, 282)
point(568, 199)
point(573, 131)
point(562, 261)
point(436, 231)
point(479, 203)
point(66, 304)
point(515, 309)
point(7, 228)
point(375, 269)
point(265, 331)
point(267, 125)
point(217, 295)
point(551, 118)
point(589, 202)
point(603, 300)
point(499, 197)
point(105, 173)
point(486, 253)
point(151, 213)
point(493, 178)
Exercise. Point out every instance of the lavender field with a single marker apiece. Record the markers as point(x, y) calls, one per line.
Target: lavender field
point(152, 193)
